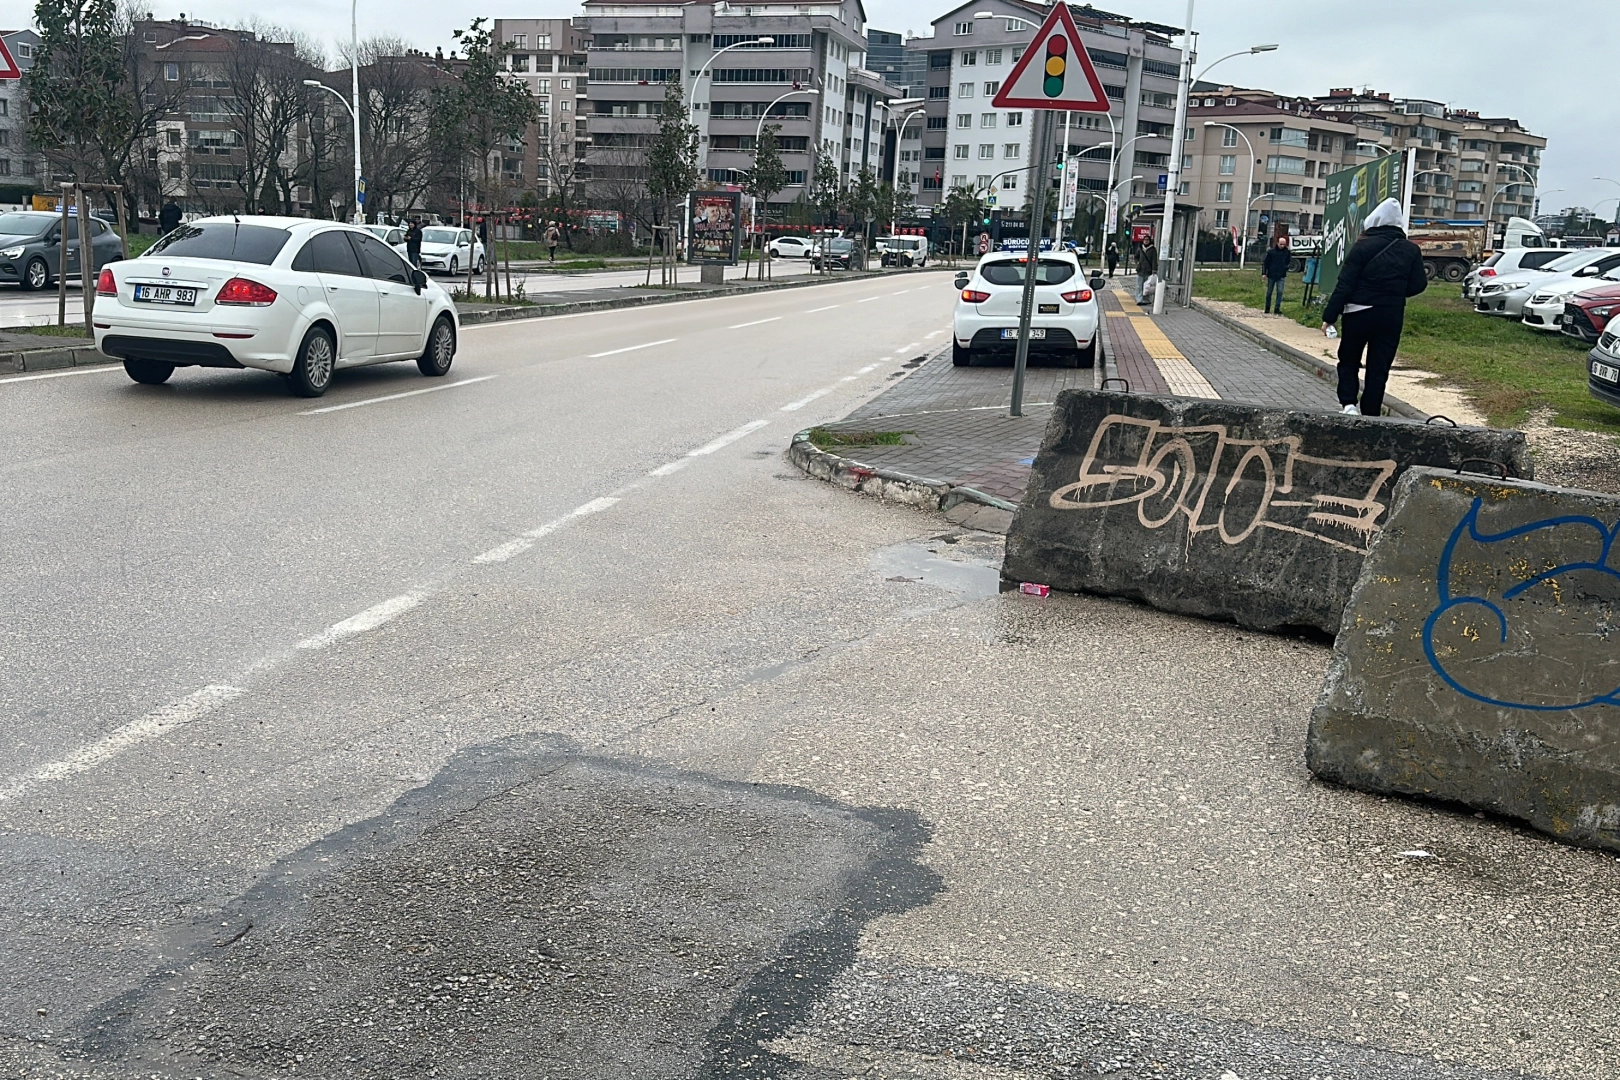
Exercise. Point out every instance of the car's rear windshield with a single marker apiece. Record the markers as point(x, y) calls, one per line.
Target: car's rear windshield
point(1493, 260)
point(1051, 272)
point(840, 245)
point(225, 240)
point(439, 236)
point(1532, 259)
point(25, 224)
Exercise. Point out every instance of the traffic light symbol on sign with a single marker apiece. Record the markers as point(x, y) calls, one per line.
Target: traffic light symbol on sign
point(1057, 51)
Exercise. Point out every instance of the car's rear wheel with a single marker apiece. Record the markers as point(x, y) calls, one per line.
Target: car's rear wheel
point(959, 356)
point(36, 275)
point(149, 372)
point(312, 370)
point(1086, 357)
point(441, 349)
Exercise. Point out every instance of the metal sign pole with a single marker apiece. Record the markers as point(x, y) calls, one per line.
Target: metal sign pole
point(1037, 218)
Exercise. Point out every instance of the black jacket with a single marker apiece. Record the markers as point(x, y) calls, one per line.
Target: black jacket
point(1381, 270)
point(1275, 265)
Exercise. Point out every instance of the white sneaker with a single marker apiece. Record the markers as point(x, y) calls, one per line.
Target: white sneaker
point(1350, 410)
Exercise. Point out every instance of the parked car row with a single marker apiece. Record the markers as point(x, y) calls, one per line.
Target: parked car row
point(1556, 291)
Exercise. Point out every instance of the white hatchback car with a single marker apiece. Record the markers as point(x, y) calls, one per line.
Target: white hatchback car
point(1063, 325)
point(298, 297)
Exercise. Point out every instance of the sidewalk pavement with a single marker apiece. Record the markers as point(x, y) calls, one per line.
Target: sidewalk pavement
point(958, 431)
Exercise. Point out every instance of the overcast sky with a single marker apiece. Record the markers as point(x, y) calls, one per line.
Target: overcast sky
point(1498, 57)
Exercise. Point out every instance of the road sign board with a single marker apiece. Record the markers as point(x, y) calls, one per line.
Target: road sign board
point(8, 66)
point(984, 243)
point(1055, 72)
point(1164, 182)
point(991, 200)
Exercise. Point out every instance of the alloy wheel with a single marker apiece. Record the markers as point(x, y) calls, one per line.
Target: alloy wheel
point(318, 361)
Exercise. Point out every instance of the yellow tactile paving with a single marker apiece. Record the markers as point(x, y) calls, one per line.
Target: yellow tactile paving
point(1179, 373)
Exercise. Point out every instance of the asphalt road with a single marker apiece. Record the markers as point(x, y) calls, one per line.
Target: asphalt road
point(545, 722)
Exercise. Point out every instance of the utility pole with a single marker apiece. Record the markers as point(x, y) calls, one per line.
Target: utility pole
point(1178, 138)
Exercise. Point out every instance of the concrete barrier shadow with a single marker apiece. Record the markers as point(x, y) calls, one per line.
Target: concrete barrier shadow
point(1479, 657)
point(1222, 510)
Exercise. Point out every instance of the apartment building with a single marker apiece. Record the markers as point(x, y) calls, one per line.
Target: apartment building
point(1253, 157)
point(551, 58)
point(21, 169)
point(1469, 167)
point(965, 142)
point(801, 80)
point(901, 66)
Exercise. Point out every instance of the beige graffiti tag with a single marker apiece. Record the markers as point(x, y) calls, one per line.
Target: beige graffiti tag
point(1170, 481)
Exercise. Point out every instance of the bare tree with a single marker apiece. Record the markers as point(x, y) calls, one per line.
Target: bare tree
point(265, 73)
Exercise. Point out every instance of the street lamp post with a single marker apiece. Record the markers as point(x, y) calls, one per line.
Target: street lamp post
point(691, 104)
point(1248, 190)
point(354, 112)
point(759, 133)
point(1376, 146)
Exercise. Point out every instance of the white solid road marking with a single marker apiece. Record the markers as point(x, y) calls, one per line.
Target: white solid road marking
point(99, 370)
point(631, 348)
point(795, 406)
point(933, 333)
point(829, 307)
point(670, 467)
point(908, 345)
point(728, 438)
point(395, 397)
point(869, 368)
point(849, 378)
point(151, 726)
point(526, 541)
point(902, 292)
point(756, 322)
point(369, 619)
point(869, 299)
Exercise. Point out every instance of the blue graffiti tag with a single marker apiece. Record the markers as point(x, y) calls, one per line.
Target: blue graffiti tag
point(1470, 525)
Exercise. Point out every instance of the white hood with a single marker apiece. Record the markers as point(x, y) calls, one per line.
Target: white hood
point(1387, 212)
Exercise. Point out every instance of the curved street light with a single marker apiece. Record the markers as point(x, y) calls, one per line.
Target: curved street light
point(354, 114)
point(1248, 190)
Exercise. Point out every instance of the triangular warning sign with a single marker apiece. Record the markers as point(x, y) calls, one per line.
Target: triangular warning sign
point(8, 66)
point(1054, 72)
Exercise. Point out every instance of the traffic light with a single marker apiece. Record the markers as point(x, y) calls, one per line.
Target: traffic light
point(1060, 164)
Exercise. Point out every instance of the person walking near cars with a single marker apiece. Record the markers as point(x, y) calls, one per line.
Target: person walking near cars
point(1113, 257)
point(1380, 272)
point(413, 242)
point(1147, 266)
point(1275, 268)
point(553, 234)
point(169, 218)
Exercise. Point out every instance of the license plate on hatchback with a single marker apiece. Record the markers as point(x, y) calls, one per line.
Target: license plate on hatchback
point(1036, 333)
point(165, 294)
point(1606, 372)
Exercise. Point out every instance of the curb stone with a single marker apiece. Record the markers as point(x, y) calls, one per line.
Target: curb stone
point(482, 315)
point(919, 491)
point(68, 356)
point(1299, 358)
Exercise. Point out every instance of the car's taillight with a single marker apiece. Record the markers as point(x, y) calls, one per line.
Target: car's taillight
point(242, 291)
point(105, 285)
point(973, 296)
point(1486, 271)
point(1078, 296)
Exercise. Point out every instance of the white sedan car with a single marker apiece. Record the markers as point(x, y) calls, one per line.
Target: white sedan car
point(1063, 325)
point(1545, 309)
point(298, 297)
point(449, 250)
point(791, 247)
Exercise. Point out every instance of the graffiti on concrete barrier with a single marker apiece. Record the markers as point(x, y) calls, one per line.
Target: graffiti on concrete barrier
point(1553, 613)
point(1230, 487)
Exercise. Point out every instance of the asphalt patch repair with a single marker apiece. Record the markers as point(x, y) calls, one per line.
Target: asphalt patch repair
point(533, 912)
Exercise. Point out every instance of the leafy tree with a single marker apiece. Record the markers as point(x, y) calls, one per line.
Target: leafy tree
point(826, 193)
point(963, 207)
point(767, 177)
point(893, 203)
point(672, 170)
point(483, 113)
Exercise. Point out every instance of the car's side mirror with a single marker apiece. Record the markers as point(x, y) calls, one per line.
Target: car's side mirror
point(961, 281)
point(418, 280)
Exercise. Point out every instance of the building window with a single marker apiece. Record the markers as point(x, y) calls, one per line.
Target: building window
point(1186, 162)
point(1012, 26)
point(992, 87)
point(964, 120)
point(1223, 219)
point(5, 166)
point(1229, 137)
point(930, 183)
point(987, 120)
point(969, 57)
point(961, 150)
point(1009, 182)
point(938, 123)
point(1010, 150)
point(795, 177)
point(959, 181)
point(987, 150)
point(562, 84)
point(520, 41)
point(964, 90)
point(992, 56)
point(172, 136)
point(1183, 188)
point(542, 87)
point(171, 72)
point(1223, 192)
point(1015, 119)
point(939, 60)
point(963, 29)
point(1228, 164)
point(937, 92)
point(1291, 165)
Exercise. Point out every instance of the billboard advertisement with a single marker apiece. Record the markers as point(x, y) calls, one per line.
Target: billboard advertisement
point(1350, 197)
point(715, 227)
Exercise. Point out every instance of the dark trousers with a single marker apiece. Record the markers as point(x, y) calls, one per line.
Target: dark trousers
point(1377, 332)
point(1275, 285)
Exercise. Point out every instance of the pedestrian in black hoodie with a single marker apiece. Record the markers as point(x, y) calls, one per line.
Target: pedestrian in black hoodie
point(1275, 268)
point(1379, 273)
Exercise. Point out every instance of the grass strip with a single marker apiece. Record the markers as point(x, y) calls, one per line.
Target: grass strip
point(825, 437)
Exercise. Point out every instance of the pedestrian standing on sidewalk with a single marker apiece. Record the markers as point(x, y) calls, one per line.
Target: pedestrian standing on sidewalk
point(1275, 268)
point(1379, 273)
point(1147, 265)
point(552, 236)
point(1113, 257)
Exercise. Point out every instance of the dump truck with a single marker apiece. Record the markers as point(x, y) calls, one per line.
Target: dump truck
point(1450, 251)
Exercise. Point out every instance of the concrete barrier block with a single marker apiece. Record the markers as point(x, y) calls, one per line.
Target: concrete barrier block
point(1479, 658)
point(1222, 510)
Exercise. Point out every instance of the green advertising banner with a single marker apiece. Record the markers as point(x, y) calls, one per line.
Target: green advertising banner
point(1350, 197)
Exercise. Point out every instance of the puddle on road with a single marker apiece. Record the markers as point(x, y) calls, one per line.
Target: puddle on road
point(960, 564)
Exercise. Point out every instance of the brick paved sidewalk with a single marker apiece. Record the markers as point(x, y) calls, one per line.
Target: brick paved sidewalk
point(957, 423)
